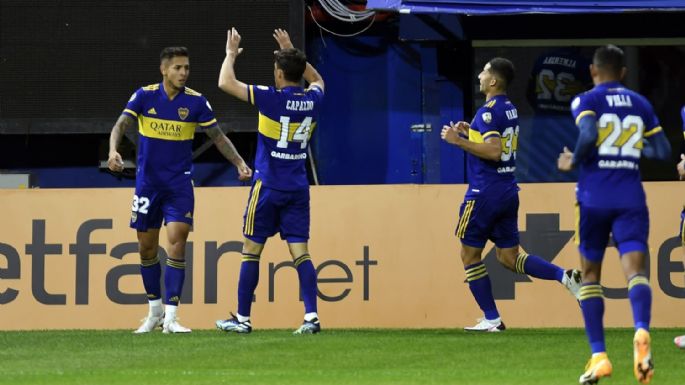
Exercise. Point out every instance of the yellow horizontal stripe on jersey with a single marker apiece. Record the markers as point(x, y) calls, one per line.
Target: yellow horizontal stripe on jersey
point(207, 124)
point(653, 131)
point(165, 129)
point(475, 136)
point(269, 127)
point(272, 129)
point(491, 103)
point(491, 133)
point(131, 112)
point(584, 114)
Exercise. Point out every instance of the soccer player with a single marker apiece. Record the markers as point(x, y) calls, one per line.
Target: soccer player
point(279, 200)
point(616, 126)
point(168, 114)
point(490, 207)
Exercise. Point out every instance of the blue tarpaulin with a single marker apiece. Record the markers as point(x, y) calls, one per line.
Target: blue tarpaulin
point(497, 7)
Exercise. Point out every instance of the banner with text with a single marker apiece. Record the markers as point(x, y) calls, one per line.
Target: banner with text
point(386, 257)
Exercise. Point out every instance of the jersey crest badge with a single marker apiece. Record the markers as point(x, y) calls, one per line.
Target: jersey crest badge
point(183, 113)
point(487, 117)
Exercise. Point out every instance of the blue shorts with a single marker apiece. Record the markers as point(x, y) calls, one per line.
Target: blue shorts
point(629, 228)
point(270, 211)
point(151, 206)
point(489, 217)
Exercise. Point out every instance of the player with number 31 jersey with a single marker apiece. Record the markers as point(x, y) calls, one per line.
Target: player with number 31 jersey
point(490, 207)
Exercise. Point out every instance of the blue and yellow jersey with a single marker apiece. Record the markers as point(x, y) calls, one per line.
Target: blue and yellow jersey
point(497, 117)
point(610, 176)
point(166, 129)
point(287, 118)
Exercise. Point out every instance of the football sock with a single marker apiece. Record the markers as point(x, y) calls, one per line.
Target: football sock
point(174, 275)
point(247, 283)
point(592, 304)
point(156, 307)
point(640, 295)
point(481, 288)
point(537, 267)
point(309, 317)
point(307, 275)
point(170, 312)
point(151, 271)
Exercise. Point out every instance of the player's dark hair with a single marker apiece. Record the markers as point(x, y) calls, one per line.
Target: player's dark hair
point(171, 52)
point(503, 69)
point(609, 58)
point(293, 63)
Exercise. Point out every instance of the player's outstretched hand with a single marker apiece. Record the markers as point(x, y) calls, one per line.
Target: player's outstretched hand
point(681, 167)
point(282, 38)
point(114, 163)
point(565, 161)
point(233, 42)
point(244, 172)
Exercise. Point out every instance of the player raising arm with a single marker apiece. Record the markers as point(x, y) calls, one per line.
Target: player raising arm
point(279, 199)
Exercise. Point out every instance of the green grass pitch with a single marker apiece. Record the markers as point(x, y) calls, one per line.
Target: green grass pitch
point(445, 356)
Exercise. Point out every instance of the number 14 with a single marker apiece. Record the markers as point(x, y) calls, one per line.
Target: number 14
point(301, 134)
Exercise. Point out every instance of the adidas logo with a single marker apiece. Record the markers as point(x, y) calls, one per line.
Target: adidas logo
point(173, 299)
point(189, 214)
point(152, 111)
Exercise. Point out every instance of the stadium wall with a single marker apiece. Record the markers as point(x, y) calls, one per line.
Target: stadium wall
point(377, 89)
point(386, 257)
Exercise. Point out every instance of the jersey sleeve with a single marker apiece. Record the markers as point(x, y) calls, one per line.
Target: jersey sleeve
point(261, 96)
point(315, 90)
point(205, 117)
point(135, 104)
point(581, 106)
point(486, 122)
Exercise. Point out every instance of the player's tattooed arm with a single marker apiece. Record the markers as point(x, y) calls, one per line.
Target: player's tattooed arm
point(114, 161)
point(228, 150)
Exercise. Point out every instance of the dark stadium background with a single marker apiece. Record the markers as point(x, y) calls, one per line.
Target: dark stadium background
point(68, 67)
